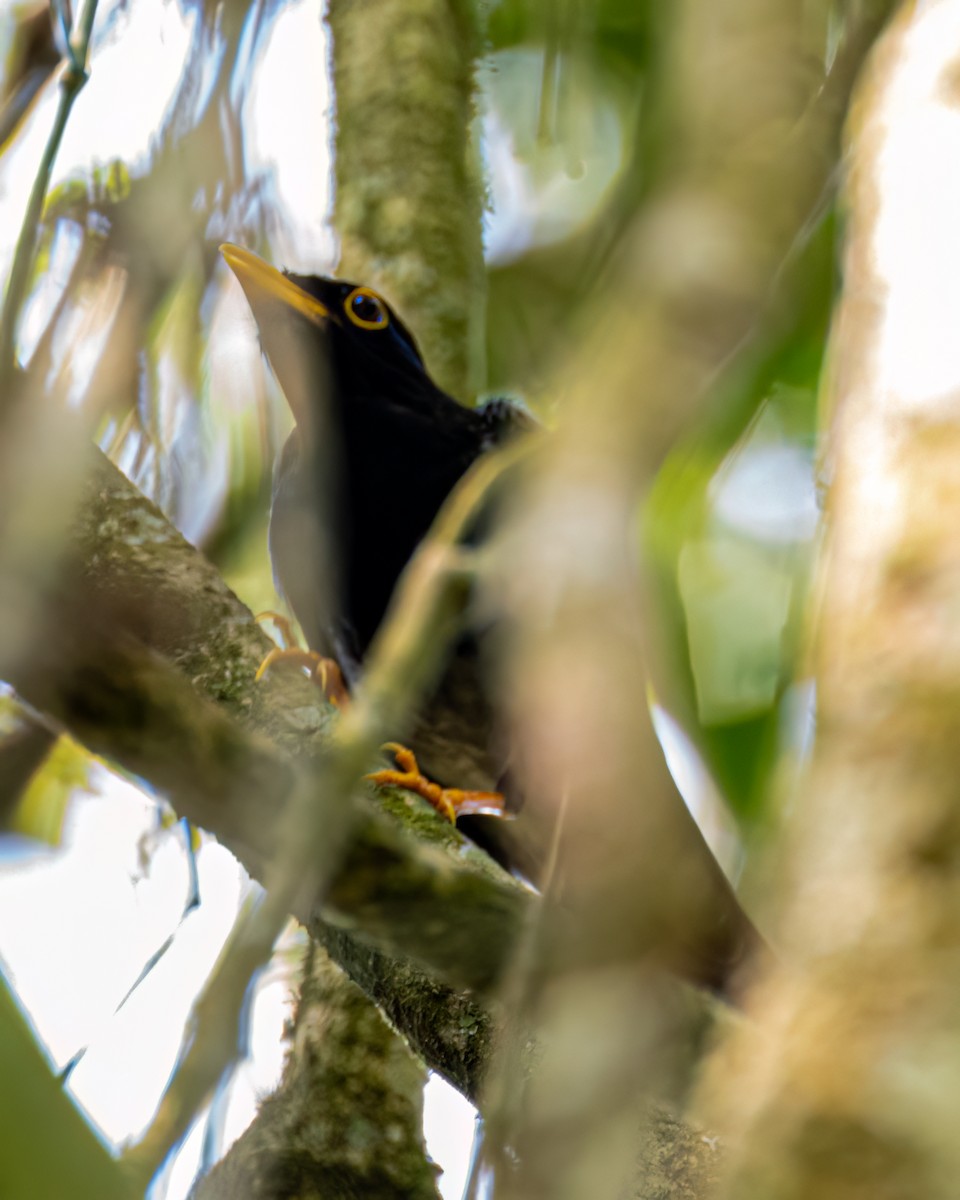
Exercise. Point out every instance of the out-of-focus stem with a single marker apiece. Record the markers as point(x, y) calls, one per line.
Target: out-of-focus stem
point(72, 79)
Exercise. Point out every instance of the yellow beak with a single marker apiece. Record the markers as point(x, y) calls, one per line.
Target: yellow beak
point(297, 355)
point(262, 283)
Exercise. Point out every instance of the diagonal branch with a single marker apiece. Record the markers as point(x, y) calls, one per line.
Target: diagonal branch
point(149, 660)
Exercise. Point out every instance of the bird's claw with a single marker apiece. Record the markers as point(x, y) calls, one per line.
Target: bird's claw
point(449, 802)
point(324, 672)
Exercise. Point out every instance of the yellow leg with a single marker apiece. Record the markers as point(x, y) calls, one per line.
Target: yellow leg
point(449, 802)
point(284, 624)
point(325, 672)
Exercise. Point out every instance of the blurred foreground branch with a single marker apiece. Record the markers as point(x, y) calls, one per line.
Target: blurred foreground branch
point(751, 153)
point(72, 79)
point(316, 823)
point(856, 1090)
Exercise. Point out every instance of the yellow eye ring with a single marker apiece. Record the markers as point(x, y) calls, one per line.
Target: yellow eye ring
point(366, 309)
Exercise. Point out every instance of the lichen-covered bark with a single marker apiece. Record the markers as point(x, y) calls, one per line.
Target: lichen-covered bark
point(676, 1160)
point(453, 1028)
point(346, 1120)
point(105, 675)
point(408, 191)
point(852, 1088)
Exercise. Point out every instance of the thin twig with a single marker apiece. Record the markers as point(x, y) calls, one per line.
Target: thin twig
point(74, 76)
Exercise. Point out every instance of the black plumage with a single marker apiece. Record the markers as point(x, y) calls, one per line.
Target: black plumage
point(377, 449)
point(395, 447)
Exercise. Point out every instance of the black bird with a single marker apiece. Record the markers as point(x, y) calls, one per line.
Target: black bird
point(364, 403)
point(341, 527)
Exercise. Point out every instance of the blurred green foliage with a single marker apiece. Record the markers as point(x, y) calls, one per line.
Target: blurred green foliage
point(44, 803)
point(48, 1149)
point(781, 374)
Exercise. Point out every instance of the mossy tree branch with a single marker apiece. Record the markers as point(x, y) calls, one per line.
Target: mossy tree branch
point(299, 1147)
point(138, 599)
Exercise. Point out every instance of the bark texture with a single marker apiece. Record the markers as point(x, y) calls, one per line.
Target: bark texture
point(408, 189)
point(347, 1119)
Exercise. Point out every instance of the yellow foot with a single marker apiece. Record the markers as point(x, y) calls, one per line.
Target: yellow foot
point(324, 672)
point(449, 802)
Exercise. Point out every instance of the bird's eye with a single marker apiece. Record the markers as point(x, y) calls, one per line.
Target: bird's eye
point(365, 308)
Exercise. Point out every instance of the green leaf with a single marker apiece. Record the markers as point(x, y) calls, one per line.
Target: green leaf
point(729, 644)
point(47, 1149)
point(737, 601)
point(43, 804)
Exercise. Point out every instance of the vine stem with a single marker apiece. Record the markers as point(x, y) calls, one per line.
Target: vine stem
point(74, 76)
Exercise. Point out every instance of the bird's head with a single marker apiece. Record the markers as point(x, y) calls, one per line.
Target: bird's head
point(316, 330)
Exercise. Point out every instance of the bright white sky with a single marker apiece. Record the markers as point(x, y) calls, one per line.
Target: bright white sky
point(88, 911)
